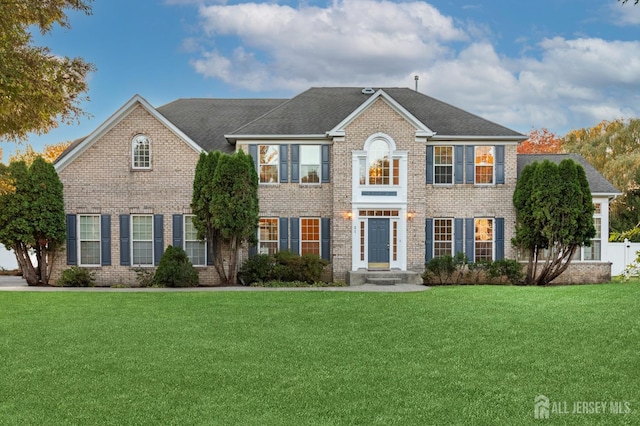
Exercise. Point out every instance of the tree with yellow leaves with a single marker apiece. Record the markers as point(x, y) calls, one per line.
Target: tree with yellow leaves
point(49, 154)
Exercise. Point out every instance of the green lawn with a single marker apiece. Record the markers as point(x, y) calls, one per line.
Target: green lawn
point(450, 355)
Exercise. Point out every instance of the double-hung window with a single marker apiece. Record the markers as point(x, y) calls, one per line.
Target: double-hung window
point(484, 164)
point(310, 164)
point(196, 249)
point(268, 160)
point(268, 236)
point(443, 165)
point(593, 252)
point(89, 240)
point(442, 237)
point(310, 235)
point(141, 152)
point(483, 239)
point(142, 240)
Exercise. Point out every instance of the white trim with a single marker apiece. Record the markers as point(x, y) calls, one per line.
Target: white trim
point(80, 240)
point(133, 154)
point(474, 139)
point(133, 264)
point(116, 118)
point(184, 240)
point(421, 129)
point(251, 137)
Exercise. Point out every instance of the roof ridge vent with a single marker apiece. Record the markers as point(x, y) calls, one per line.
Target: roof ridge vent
point(368, 91)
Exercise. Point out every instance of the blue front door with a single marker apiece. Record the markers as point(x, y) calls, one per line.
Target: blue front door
point(379, 242)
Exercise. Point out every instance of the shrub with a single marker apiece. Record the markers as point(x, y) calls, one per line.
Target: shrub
point(175, 270)
point(144, 277)
point(284, 266)
point(77, 277)
point(632, 235)
point(511, 269)
point(256, 268)
point(441, 269)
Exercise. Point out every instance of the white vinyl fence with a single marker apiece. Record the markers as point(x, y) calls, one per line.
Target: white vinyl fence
point(620, 255)
point(7, 259)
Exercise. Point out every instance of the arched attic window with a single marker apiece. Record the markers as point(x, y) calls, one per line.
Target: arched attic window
point(380, 167)
point(141, 152)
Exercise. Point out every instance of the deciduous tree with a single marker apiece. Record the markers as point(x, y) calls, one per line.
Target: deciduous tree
point(541, 142)
point(32, 216)
point(37, 88)
point(49, 154)
point(554, 217)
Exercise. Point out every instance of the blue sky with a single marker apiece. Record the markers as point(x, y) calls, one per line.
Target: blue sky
point(560, 64)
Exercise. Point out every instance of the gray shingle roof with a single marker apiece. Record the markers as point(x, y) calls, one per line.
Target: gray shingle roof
point(597, 182)
point(320, 109)
point(206, 121)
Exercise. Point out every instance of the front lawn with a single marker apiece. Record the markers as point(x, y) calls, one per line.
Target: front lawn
point(450, 355)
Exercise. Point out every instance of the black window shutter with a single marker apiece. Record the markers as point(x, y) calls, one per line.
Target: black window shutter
point(105, 240)
point(295, 235)
point(325, 228)
point(295, 163)
point(471, 164)
point(458, 236)
point(253, 152)
point(72, 239)
point(499, 163)
point(158, 238)
point(458, 155)
point(429, 165)
point(428, 240)
point(470, 234)
point(326, 166)
point(499, 238)
point(283, 234)
point(177, 230)
point(125, 246)
point(284, 163)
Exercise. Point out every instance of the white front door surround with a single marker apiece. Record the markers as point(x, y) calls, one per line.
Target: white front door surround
point(379, 205)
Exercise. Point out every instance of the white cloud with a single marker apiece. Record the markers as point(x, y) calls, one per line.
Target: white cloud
point(625, 14)
point(559, 84)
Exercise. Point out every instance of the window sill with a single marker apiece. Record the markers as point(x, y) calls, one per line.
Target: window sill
point(141, 170)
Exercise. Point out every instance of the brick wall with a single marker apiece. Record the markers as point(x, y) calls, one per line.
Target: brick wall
point(101, 181)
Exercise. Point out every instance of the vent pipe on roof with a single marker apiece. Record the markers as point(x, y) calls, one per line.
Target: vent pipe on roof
point(416, 79)
point(368, 91)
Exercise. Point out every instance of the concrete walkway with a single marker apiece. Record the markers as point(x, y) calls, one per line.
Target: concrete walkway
point(10, 283)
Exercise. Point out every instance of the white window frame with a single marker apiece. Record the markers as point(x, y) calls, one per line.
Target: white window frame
point(318, 164)
point(302, 235)
point(364, 163)
point(597, 223)
point(435, 235)
point(81, 240)
point(188, 218)
point(492, 165)
point(276, 164)
point(436, 164)
point(476, 241)
point(133, 263)
point(134, 144)
point(265, 249)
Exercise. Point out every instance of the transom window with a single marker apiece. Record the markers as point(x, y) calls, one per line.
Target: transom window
point(310, 235)
point(142, 240)
point(443, 164)
point(196, 249)
point(268, 163)
point(309, 164)
point(141, 152)
point(484, 165)
point(483, 240)
point(89, 240)
point(442, 237)
point(268, 236)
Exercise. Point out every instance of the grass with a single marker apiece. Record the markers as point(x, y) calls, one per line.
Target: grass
point(450, 355)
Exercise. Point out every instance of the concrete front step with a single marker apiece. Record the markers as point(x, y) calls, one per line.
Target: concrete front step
point(383, 277)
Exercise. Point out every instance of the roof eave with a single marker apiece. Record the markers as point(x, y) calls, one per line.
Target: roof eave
point(235, 138)
point(437, 137)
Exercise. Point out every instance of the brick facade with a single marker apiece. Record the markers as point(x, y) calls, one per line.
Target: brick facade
point(100, 180)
